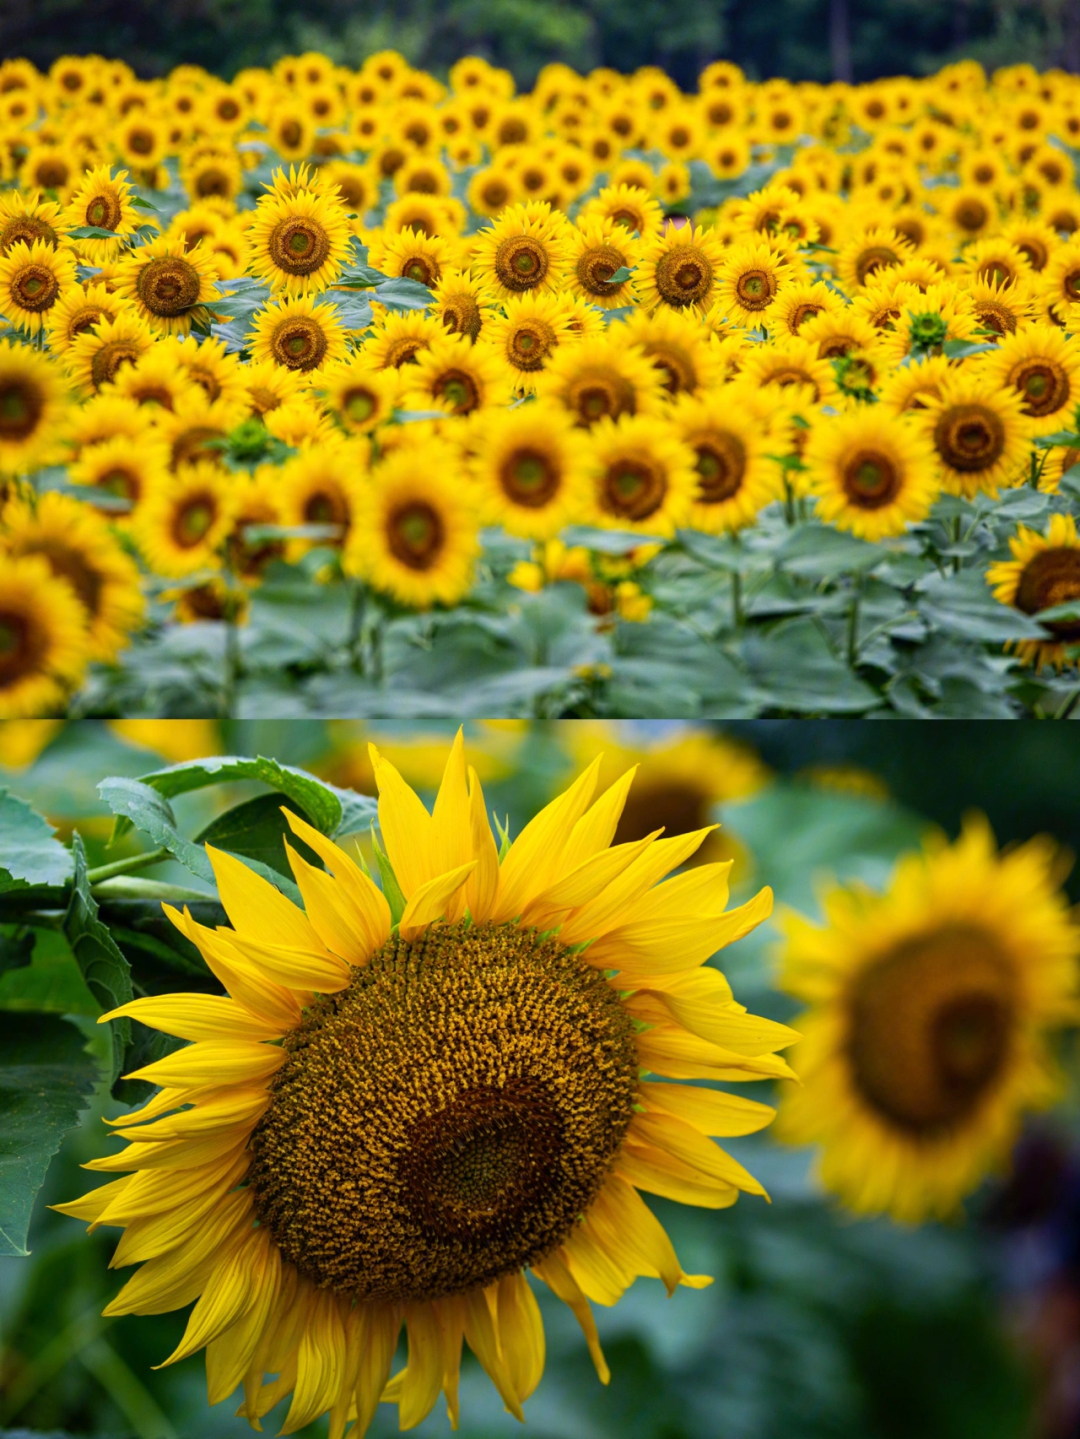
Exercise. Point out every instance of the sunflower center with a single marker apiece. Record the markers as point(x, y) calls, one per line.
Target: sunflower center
point(529, 478)
point(871, 479)
point(601, 393)
point(595, 268)
point(18, 650)
point(415, 534)
point(359, 405)
point(530, 344)
point(459, 390)
point(192, 520)
point(521, 262)
point(191, 444)
point(970, 437)
point(103, 211)
point(721, 465)
point(21, 407)
point(110, 358)
point(633, 489)
point(121, 483)
point(168, 285)
point(1052, 577)
point(461, 316)
point(446, 1119)
point(802, 313)
point(930, 1028)
point(683, 276)
point(85, 320)
point(298, 245)
point(404, 352)
point(755, 289)
point(299, 343)
point(35, 288)
point(26, 228)
point(1044, 386)
point(971, 215)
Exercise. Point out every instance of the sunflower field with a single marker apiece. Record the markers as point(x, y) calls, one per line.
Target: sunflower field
point(880, 1243)
point(331, 391)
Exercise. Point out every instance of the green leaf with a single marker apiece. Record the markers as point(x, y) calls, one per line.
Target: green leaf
point(818, 551)
point(45, 1076)
point(400, 293)
point(106, 971)
point(141, 204)
point(324, 804)
point(390, 887)
point(797, 671)
point(92, 232)
point(51, 983)
point(29, 853)
point(963, 606)
point(16, 947)
point(618, 276)
point(257, 829)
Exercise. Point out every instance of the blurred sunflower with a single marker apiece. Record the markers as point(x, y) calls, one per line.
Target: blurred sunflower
point(527, 335)
point(182, 522)
point(32, 406)
point(602, 378)
point(978, 428)
point(1043, 573)
point(299, 240)
point(873, 473)
point(527, 248)
point(736, 476)
point(298, 334)
point(42, 638)
point(317, 1276)
point(530, 465)
point(32, 279)
point(927, 1034)
point(456, 377)
point(642, 474)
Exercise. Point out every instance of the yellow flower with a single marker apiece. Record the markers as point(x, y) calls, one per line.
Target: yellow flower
point(626, 205)
point(527, 335)
point(1043, 367)
point(523, 1048)
point(687, 357)
point(868, 252)
point(792, 360)
point(872, 473)
point(397, 339)
point(32, 406)
point(323, 486)
point(32, 279)
point(728, 431)
point(418, 257)
point(299, 242)
point(643, 475)
point(599, 248)
point(360, 395)
point(182, 522)
point(751, 274)
point(103, 201)
point(298, 334)
point(926, 1036)
point(602, 377)
point(79, 549)
point(43, 651)
point(26, 218)
point(455, 376)
point(680, 268)
point(156, 378)
point(168, 285)
point(415, 536)
point(978, 428)
point(127, 466)
point(1044, 572)
point(527, 248)
point(78, 309)
point(461, 304)
point(530, 465)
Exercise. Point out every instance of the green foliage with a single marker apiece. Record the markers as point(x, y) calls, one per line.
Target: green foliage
point(105, 970)
point(45, 1076)
point(29, 854)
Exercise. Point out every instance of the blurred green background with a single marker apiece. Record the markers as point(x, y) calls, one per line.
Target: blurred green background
point(818, 1326)
point(800, 39)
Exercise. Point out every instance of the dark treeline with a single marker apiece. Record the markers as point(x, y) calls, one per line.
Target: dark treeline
point(799, 39)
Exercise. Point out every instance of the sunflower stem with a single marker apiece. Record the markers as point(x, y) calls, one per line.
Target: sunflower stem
point(232, 652)
point(357, 610)
point(789, 502)
point(853, 620)
point(127, 866)
point(1065, 711)
point(736, 600)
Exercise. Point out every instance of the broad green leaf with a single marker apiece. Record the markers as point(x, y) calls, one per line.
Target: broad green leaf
point(45, 1076)
point(318, 800)
point(962, 605)
point(106, 971)
point(29, 851)
point(16, 947)
point(257, 829)
point(51, 983)
point(92, 232)
point(817, 551)
point(796, 670)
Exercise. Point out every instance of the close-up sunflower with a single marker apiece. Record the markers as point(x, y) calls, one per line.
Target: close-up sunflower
point(32, 279)
point(167, 284)
point(531, 470)
point(527, 248)
point(299, 240)
point(298, 334)
point(415, 536)
point(679, 268)
point(1044, 572)
point(930, 1010)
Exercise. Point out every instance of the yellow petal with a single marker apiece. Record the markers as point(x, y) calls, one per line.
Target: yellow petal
point(595, 830)
point(293, 967)
point(624, 1224)
point(663, 946)
point(244, 981)
point(533, 858)
point(564, 1286)
point(210, 1061)
point(421, 1379)
point(256, 909)
point(451, 823)
point(608, 909)
point(381, 1325)
point(679, 1055)
point(520, 1333)
point(405, 825)
point(172, 1154)
point(585, 883)
point(711, 1110)
point(450, 1313)
point(230, 1292)
point(150, 1235)
point(689, 1146)
point(434, 900)
point(197, 1016)
point(229, 1354)
point(345, 1403)
point(482, 886)
point(364, 903)
point(154, 1191)
point(653, 1170)
point(599, 1272)
point(93, 1205)
point(163, 1102)
point(235, 1109)
point(725, 1025)
point(480, 1337)
point(320, 1362)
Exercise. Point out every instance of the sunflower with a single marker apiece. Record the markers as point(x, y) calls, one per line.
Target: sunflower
point(32, 279)
point(32, 407)
point(168, 286)
point(998, 309)
point(679, 268)
point(359, 395)
point(26, 219)
point(217, 373)
point(531, 469)
point(398, 339)
point(415, 536)
point(978, 428)
point(181, 525)
point(803, 301)
point(322, 486)
point(1044, 572)
point(527, 248)
point(751, 274)
point(794, 360)
point(298, 334)
point(688, 359)
point(969, 211)
point(193, 429)
point(256, 501)
point(43, 652)
point(78, 309)
point(998, 261)
point(50, 167)
point(102, 201)
point(269, 385)
point(461, 303)
point(926, 1039)
point(925, 320)
point(299, 241)
point(600, 248)
point(872, 473)
point(642, 475)
point(1042, 366)
point(301, 422)
point(603, 377)
point(913, 386)
point(527, 335)
point(455, 376)
point(80, 549)
point(156, 379)
point(126, 466)
point(728, 432)
point(868, 252)
point(491, 997)
point(418, 257)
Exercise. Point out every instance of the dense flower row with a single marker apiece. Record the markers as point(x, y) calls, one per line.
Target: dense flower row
point(365, 312)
